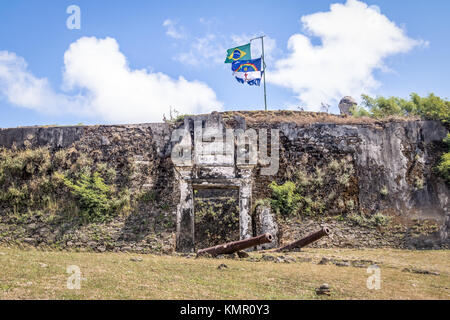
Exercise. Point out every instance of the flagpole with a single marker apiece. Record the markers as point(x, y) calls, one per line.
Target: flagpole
point(264, 66)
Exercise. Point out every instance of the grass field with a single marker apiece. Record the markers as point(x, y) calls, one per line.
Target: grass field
point(33, 274)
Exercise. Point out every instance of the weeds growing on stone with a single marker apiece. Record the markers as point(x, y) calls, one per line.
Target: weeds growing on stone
point(444, 165)
point(62, 186)
point(377, 219)
point(325, 190)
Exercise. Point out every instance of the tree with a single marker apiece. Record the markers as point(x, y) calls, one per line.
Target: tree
point(430, 107)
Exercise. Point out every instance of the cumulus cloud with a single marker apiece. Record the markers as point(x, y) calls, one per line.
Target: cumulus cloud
point(23, 89)
point(355, 40)
point(106, 86)
point(173, 30)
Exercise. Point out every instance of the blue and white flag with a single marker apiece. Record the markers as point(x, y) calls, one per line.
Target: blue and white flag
point(247, 71)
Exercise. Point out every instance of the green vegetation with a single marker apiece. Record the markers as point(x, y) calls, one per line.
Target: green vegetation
point(359, 112)
point(315, 193)
point(263, 202)
point(216, 220)
point(375, 220)
point(379, 219)
point(62, 186)
point(444, 166)
point(418, 183)
point(95, 199)
point(430, 107)
point(147, 196)
point(174, 116)
point(284, 200)
point(384, 191)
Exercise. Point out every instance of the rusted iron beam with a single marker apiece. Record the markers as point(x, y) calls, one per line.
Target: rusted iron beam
point(306, 240)
point(235, 246)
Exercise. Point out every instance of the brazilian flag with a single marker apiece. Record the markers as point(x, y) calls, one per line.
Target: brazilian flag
point(238, 53)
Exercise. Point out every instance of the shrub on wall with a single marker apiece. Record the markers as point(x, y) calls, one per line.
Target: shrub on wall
point(444, 166)
point(327, 189)
point(377, 220)
point(284, 200)
point(94, 197)
point(62, 186)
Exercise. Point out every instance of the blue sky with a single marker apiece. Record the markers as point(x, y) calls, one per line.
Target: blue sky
point(188, 39)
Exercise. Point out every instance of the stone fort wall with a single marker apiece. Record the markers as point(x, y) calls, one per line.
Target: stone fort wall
point(347, 169)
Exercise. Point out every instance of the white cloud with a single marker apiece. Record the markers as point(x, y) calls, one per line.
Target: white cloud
point(208, 48)
point(355, 40)
point(173, 30)
point(23, 89)
point(213, 48)
point(108, 88)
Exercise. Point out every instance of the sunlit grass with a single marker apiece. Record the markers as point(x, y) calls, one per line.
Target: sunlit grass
point(32, 274)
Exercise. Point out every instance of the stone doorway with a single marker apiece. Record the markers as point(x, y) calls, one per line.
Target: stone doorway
point(205, 158)
point(216, 216)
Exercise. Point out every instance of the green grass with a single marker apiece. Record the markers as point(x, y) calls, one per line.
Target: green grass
point(32, 274)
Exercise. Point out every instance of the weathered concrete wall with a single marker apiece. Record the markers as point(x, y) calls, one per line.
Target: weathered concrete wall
point(56, 137)
point(390, 155)
point(139, 154)
point(391, 172)
point(389, 168)
point(104, 135)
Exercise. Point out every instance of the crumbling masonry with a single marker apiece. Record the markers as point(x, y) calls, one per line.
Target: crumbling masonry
point(351, 167)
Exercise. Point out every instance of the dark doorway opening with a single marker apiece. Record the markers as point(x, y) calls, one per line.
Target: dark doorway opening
point(216, 216)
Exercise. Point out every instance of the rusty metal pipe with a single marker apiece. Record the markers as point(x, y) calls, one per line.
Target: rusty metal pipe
point(235, 246)
point(306, 240)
